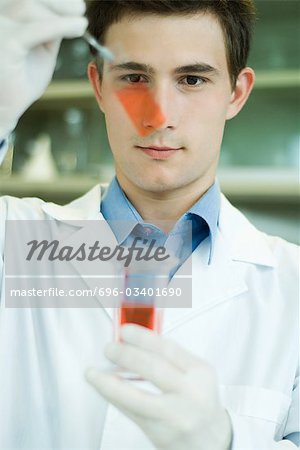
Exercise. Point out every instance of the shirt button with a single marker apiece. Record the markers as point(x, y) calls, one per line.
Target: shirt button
point(148, 231)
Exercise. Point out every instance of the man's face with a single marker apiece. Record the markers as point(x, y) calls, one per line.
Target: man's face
point(193, 101)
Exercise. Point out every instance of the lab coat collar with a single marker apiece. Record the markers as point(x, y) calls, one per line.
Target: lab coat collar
point(244, 242)
point(86, 207)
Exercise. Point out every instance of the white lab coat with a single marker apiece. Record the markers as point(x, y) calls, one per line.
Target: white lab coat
point(244, 322)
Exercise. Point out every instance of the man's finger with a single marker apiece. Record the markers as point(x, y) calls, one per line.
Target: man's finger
point(50, 30)
point(65, 7)
point(123, 395)
point(25, 11)
point(145, 339)
point(147, 364)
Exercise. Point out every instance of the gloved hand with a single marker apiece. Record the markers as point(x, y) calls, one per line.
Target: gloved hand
point(187, 414)
point(30, 35)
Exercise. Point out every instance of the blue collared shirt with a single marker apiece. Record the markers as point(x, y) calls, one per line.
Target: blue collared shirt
point(201, 220)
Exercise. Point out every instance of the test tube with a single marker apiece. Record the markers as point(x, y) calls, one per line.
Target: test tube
point(138, 301)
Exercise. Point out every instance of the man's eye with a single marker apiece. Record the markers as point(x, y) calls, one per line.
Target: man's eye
point(134, 78)
point(192, 80)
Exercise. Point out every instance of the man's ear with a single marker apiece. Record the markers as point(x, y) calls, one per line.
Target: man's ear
point(244, 84)
point(95, 81)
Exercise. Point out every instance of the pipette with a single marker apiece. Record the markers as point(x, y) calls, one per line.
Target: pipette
point(104, 52)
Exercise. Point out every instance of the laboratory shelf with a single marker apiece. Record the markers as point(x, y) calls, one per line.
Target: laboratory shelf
point(253, 185)
point(277, 79)
point(261, 184)
point(81, 89)
point(72, 186)
point(68, 89)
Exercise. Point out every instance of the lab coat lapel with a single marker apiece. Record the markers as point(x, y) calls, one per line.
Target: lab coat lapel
point(107, 273)
point(78, 216)
point(212, 284)
point(238, 244)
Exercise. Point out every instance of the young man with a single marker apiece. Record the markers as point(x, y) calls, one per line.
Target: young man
point(226, 369)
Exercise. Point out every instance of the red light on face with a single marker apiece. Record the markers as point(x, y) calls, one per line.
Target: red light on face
point(140, 106)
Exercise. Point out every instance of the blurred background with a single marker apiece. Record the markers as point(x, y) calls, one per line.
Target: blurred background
point(60, 148)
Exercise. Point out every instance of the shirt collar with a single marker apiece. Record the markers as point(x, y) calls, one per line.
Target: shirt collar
point(208, 209)
point(115, 206)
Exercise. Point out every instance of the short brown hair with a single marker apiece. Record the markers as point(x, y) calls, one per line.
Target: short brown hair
point(236, 18)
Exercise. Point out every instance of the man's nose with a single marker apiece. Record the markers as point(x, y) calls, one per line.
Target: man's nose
point(150, 109)
point(160, 111)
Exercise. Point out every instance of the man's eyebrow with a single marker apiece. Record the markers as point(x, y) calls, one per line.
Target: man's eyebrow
point(134, 66)
point(197, 68)
point(188, 69)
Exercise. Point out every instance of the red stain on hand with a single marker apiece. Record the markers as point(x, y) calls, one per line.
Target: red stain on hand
point(142, 109)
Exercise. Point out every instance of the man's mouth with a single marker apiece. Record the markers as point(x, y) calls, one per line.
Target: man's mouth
point(157, 152)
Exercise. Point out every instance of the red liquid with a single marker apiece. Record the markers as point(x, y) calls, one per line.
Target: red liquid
point(143, 315)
